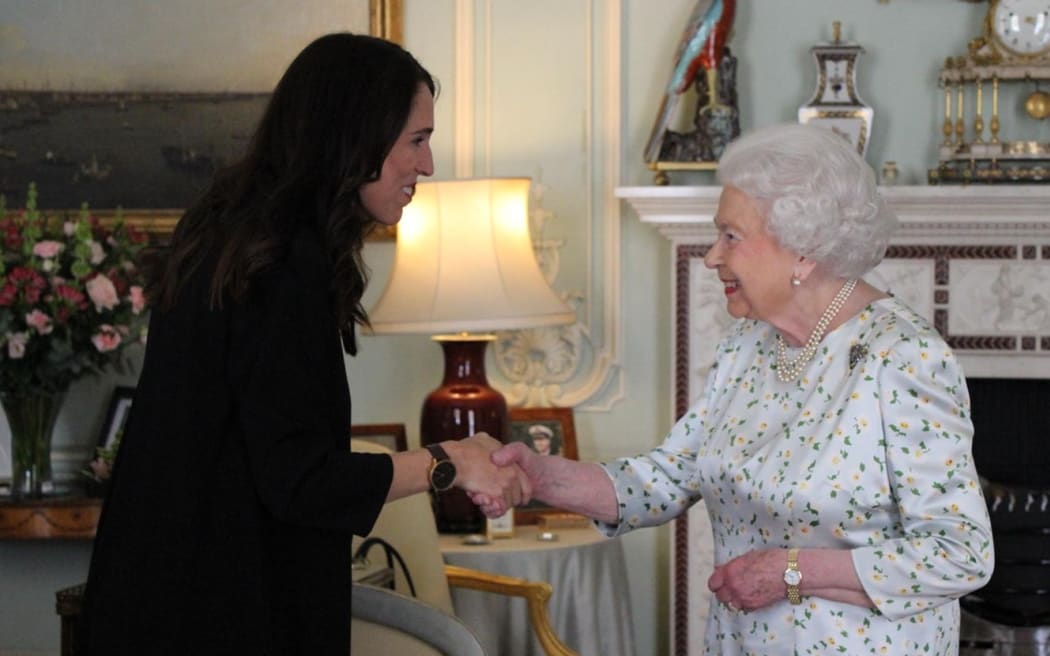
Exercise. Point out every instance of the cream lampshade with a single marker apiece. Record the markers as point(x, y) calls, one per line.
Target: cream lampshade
point(464, 265)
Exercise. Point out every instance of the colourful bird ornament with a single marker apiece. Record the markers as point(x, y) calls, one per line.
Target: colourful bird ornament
point(701, 47)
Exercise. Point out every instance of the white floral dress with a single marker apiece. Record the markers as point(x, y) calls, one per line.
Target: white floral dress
point(873, 456)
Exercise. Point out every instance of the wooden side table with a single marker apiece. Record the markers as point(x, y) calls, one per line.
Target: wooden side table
point(49, 518)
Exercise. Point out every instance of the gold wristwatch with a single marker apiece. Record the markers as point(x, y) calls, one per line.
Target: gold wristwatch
point(792, 577)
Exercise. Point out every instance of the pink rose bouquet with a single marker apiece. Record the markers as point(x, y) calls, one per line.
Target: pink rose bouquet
point(71, 298)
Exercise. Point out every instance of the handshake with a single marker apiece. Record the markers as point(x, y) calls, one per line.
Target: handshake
point(495, 476)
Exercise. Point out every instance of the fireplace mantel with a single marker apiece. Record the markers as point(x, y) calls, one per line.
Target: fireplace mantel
point(681, 213)
point(974, 260)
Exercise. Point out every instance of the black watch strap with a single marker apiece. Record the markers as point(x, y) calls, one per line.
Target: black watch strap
point(442, 473)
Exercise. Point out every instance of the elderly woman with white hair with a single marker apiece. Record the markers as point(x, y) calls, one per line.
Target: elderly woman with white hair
point(832, 441)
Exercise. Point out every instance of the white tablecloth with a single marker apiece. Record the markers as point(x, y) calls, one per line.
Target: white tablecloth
point(590, 609)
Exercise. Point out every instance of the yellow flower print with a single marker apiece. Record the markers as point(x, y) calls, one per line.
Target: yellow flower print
point(949, 462)
point(924, 355)
point(836, 460)
point(855, 396)
point(904, 425)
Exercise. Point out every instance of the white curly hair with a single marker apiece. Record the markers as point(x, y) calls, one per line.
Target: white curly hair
point(818, 195)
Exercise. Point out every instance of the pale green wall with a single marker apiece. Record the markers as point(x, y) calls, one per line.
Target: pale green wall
point(906, 40)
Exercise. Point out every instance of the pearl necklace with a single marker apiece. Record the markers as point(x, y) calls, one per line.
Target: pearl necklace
point(790, 369)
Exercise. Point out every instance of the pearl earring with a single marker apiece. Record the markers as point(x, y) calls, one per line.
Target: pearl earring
point(795, 282)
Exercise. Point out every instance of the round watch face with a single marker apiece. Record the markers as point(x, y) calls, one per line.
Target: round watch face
point(792, 577)
point(443, 475)
point(1022, 26)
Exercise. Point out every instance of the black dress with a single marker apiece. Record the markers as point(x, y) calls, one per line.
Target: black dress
point(228, 524)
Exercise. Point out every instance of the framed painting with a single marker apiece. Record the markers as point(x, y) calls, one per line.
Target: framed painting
point(116, 416)
point(392, 436)
point(135, 104)
point(547, 431)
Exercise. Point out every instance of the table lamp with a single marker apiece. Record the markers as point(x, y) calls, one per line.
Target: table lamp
point(464, 266)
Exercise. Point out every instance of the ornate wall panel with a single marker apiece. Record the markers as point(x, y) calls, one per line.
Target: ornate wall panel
point(566, 137)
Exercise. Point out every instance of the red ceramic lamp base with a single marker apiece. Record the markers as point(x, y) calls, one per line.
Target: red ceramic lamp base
point(463, 405)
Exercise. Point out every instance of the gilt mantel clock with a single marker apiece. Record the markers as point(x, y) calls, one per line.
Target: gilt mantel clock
point(1013, 49)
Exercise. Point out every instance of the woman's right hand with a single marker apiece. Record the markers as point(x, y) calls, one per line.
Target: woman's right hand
point(501, 488)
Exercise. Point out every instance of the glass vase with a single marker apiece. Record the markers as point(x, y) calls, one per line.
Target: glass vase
point(31, 417)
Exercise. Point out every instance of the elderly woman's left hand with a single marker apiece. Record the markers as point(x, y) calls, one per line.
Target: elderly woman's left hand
point(751, 581)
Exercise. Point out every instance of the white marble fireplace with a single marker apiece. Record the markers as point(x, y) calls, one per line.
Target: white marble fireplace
point(974, 260)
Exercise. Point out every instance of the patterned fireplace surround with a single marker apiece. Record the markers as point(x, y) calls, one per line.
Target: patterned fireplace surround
point(974, 260)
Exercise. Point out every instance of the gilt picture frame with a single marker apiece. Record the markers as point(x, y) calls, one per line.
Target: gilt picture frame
point(142, 128)
point(116, 415)
point(392, 436)
point(550, 431)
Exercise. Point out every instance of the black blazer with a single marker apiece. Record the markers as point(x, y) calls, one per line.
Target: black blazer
point(228, 524)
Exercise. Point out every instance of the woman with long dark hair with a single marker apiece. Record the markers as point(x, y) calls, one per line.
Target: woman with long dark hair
point(234, 496)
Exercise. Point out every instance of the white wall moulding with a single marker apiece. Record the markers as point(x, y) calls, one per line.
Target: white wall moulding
point(975, 261)
point(496, 134)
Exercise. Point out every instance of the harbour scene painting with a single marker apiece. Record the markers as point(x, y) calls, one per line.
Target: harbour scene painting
point(110, 149)
point(135, 104)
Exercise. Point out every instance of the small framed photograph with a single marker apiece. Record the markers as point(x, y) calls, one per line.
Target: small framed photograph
point(547, 431)
point(392, 436)
point(501, 527)
point(116, 416)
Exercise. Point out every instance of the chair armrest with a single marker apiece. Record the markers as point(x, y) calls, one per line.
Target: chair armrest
point(535, 593)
